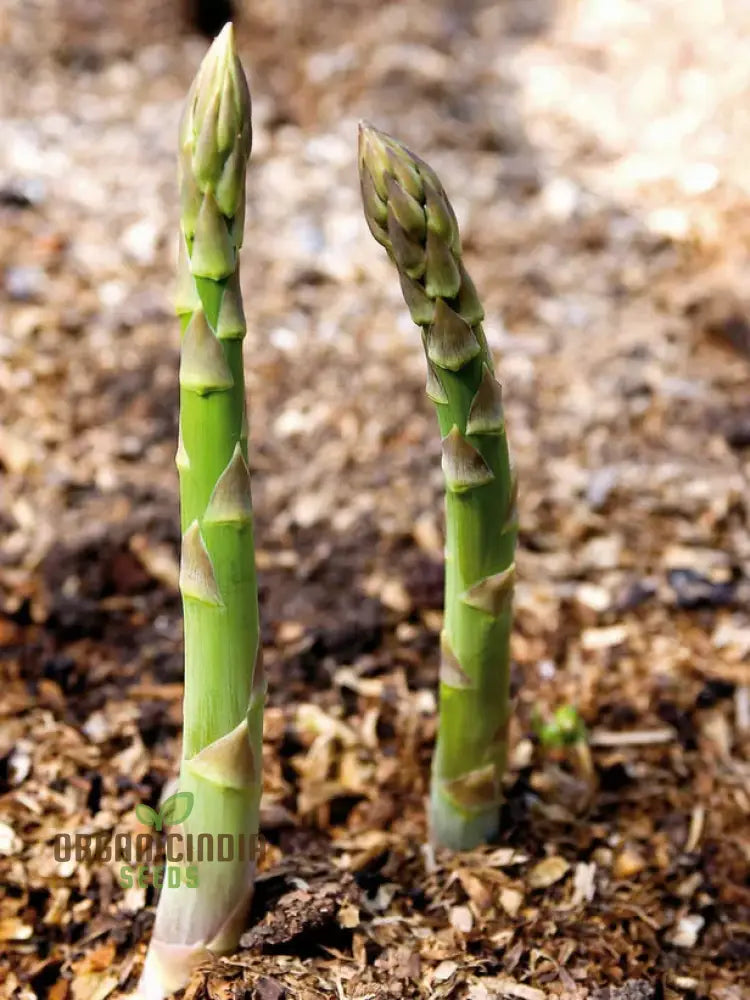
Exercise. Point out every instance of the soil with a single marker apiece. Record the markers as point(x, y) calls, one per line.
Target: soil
point(596, 157)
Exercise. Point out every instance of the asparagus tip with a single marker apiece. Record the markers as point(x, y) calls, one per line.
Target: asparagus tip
point(226, 35)
point(215, 131)
point(222, 50)
point(372, 149)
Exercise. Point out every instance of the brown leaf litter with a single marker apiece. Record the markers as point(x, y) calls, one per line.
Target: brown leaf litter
point(596, 160)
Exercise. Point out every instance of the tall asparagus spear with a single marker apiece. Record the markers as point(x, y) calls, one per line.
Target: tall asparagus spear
point(408, 212)
point(224, 686)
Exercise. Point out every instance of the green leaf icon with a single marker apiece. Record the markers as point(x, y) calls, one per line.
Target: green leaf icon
point(176, 809)
point(148, 816)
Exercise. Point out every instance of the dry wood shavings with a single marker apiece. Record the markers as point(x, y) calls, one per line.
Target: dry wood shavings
point(547, 872)
point(612, 271)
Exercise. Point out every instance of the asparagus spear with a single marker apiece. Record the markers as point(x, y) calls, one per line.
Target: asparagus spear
point(224, 686)
point(408, 212)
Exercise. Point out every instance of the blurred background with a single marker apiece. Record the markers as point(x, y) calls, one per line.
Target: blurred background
point(596, 154)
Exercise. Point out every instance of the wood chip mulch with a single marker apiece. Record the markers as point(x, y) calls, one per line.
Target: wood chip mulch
point(597, 163)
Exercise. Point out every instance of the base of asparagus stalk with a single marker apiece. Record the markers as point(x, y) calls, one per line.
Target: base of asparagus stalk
point(460, 831)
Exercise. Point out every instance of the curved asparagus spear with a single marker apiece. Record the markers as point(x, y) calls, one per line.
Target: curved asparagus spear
point(408, 212)
point(224, 687)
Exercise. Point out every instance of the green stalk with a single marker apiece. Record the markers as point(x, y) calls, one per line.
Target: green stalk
point(408, 212)
point(224, 686)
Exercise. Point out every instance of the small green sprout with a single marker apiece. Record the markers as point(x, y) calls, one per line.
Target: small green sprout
point(565, 729)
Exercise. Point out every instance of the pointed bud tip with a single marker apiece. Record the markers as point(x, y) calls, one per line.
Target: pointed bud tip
point(222, 64)
point(372, 147)
point(364, 128)
point(365, 136)
point(215, 64)
point(224, 44)
point(215, 134)
point(377, 147)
